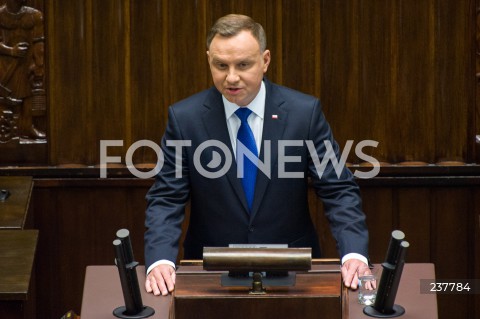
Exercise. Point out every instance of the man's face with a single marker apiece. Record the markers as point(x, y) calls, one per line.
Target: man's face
point(237, 66)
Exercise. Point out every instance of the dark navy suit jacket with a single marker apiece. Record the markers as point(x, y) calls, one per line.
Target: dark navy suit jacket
point(219, 214)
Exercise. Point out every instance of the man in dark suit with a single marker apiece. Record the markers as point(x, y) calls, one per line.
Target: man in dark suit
point(230, 202)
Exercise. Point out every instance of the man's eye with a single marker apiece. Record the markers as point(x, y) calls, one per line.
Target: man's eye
point(243, 65)
point(221, 66)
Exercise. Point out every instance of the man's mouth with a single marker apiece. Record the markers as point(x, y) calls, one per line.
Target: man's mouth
point(233, 91)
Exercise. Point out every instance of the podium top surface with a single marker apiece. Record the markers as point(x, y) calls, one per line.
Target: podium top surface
point(102, 293)
point(13, 211)
point(416, 304)
point(193, 281)
point(17, 252)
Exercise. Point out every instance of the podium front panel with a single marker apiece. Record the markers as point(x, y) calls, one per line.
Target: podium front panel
point(315, 295)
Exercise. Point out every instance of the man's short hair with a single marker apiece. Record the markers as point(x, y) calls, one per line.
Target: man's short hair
point(232, 24)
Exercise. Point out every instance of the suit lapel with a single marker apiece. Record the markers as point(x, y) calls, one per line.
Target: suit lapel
point(275, 119)
point(216, 127)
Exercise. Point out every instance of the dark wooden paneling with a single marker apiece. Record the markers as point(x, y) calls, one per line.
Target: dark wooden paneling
point(474, 120)
point(69, 61)
point(78, 218)
point(301, 37)
point(399, 72)
point(385, 68)
point(413, 214)
point(476, 242)
point(149, 61)
point(413, 109)
point(454, 89)
point(77, 225)
point(379, 207)
point(453, 216)
point(110, 106)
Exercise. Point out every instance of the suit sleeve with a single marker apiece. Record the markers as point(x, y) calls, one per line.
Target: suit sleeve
point(337, 189)
point(166, 201)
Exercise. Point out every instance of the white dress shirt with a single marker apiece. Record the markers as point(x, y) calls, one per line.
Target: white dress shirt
point(255, 120)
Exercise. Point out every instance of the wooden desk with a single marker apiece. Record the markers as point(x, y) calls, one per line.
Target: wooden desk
point(14, 211)
point(416, 305)
point(102, 293)
point(17, 251)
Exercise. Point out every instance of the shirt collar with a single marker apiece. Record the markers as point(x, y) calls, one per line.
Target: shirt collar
point(257, 105)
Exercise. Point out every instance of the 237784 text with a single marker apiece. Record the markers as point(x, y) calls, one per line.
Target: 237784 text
point(463, 286)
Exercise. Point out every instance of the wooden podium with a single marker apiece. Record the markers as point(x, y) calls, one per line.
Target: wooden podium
point(317, 294)
point(102, 293)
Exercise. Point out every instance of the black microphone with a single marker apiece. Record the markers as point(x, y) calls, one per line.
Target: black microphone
point(384, 306)
point(126, 265)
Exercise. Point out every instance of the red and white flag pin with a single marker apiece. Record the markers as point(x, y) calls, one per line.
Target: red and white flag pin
point(274, 116)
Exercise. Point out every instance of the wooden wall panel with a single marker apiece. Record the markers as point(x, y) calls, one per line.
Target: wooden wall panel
point(187, 58)
point(476, 242)
point(454, 77)
point(453, 216)
point(70, 95)
point(78, 218)
point(399, 72)
point(414, 109)
point(381, 67)
point(149, 61)
point(476, 118)
point(77, 227)
point(301, 73)
point(380, 210)
point(413, 213)
point(379, 206)
point(338, 68)
point(110, 108)
point(376, 87)
point(88, 62)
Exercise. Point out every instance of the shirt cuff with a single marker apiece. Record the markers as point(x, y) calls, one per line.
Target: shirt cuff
point(354, 256)
point(160, 262)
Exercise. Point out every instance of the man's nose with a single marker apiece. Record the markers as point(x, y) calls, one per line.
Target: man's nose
point(232, 76)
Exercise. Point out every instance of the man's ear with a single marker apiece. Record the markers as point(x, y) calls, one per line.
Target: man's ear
point(208, 56)
point(266, 60)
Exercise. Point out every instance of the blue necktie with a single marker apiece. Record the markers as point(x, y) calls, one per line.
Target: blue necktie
point(245, 136)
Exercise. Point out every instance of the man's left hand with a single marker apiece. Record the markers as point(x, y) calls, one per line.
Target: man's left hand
point(351, 270)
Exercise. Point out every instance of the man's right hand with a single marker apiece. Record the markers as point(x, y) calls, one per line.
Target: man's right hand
point(161, 280)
